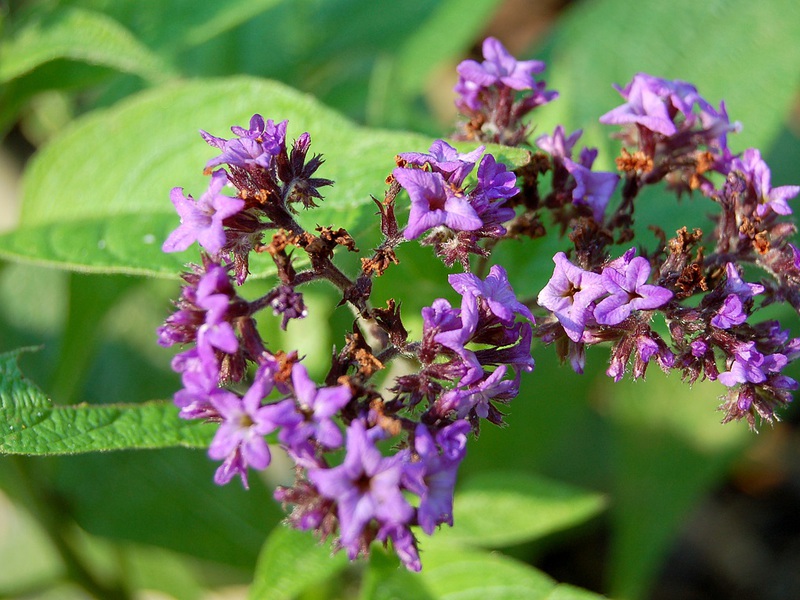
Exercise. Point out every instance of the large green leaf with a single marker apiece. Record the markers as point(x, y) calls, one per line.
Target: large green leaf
point(523, 507)
point(80, 35)
point(32, 425)
point(97, 198)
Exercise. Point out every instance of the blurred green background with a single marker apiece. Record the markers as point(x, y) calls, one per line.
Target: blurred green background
point(695, 509)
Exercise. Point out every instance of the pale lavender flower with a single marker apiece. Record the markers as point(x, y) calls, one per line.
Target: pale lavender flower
point(201, 221)
point(365, 486)
point(629, 292)
point(254, 148)
point(479, 395)
point(569, 295)
point(434, 203)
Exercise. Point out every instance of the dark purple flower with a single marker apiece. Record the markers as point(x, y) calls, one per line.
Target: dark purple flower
point(434, 203)
point(569, 295)
point(240, 437)
point(365, 486)
point(629, 292)
point(495, 290)
point(495, 180)
point(202, 220)
point(593, 189)
point(730, 313)
point(443, 158)
point(500, 67)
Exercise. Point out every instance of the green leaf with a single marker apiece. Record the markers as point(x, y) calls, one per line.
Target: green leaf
point(79, 35)
point(504, 508)
point(114, 169)
point(293, 561)
point(32, 425)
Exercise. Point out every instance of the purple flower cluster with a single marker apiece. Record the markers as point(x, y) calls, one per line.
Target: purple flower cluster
point(671, 134)
point(457, 217)
point(470, 358)
point(497, 93)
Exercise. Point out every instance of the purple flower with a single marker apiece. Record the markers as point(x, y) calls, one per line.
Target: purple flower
point(557, 145)
point(434, 203)
point(629, 292)
point(500, 67)
point(569, 295)
point(435, 481)
point(240, 437)
point(593, 189)
point(758, 174)
point(749, 365)
point(445, 159)
point(495, 180)
point(202, 220)
point(493, 387)
point(736, 285)
point(213, 296)
point(730, 313)
point(365, 486)
point(254, 147)
point(310, 417)
point(495, 290)
point(647, 105)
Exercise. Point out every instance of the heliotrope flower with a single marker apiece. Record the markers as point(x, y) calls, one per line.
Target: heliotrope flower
point(495, 290)
point(570, 294)
point(365, 486)
point(759, 176)
point(240, 437)
point(201, 221)
point(500, 67)
point(593, 188)
point(628, 292)
point(434, 203)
